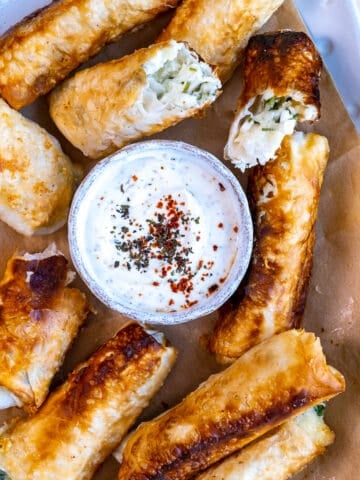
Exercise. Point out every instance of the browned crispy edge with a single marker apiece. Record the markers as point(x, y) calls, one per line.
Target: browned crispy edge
point(256, 269)
point(130, 344)
point(283, 60)
point(222, 437)
point(19, 297)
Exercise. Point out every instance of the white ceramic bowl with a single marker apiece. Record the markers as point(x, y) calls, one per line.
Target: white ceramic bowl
point(161, 232)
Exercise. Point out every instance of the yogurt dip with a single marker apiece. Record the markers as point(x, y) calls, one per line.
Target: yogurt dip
point(161, 232)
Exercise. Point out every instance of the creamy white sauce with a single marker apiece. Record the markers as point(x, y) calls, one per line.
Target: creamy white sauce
point(160, 232)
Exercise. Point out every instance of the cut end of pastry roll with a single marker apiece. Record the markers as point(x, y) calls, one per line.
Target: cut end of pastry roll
point(37, 178)
point(279, 454)
point(281, 88)
point(39, 319)
point(268, 385)
point(80, 423)
point(109, 105)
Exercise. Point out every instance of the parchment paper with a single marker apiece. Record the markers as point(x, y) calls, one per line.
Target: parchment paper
point(333, 306)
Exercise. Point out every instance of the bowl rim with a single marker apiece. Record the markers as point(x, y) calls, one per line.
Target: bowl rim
point(154, 317)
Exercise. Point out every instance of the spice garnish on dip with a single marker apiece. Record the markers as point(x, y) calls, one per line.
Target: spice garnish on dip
point(161, 232)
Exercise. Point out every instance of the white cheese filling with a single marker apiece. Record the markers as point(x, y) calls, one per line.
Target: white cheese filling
point(177, 79)
point(259, 129)
point(177, 85)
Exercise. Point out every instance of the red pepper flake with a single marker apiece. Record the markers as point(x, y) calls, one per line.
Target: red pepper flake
point(236, 229)
point(135, 178)
point(222, 280)
point(222, 188)
point(161, 241)
point(171, 301)
point(215, 247)
point(102, 198)
point(200, 264)
point(198, 238)
point(184, 285)
point(156, 284)
point(220, 225)
point(212, 289)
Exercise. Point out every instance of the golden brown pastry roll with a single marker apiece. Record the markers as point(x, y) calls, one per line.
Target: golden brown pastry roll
point(281, 87)
point(123, 100)
point(36, 178)
point(44, 48)
point(39, 318)
point(218, 30)
point(266, 386)
point(278, 455)
point(81, 422)
point(284, 196)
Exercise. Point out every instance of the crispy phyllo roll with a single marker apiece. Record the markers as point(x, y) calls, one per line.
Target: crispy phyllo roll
point(111, 104)
point(80, 423)
point(219, 30)
point(281, 88)
point(280, 454)
point(284, 196)
point(268, 385)
point(39, 318)
point(44, 48)
point(36, 178)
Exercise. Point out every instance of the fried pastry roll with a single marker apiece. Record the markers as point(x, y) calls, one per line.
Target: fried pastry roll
point(281, 87)
point(36, 178)
point(39, 318)
point(80, 423)
point(284, 196)
point(266, 386)
point(218, 30)
point(44, 48)
point(123, 100)
point(278, 455)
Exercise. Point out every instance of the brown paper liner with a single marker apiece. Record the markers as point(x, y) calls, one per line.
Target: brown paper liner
point(333, 306)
